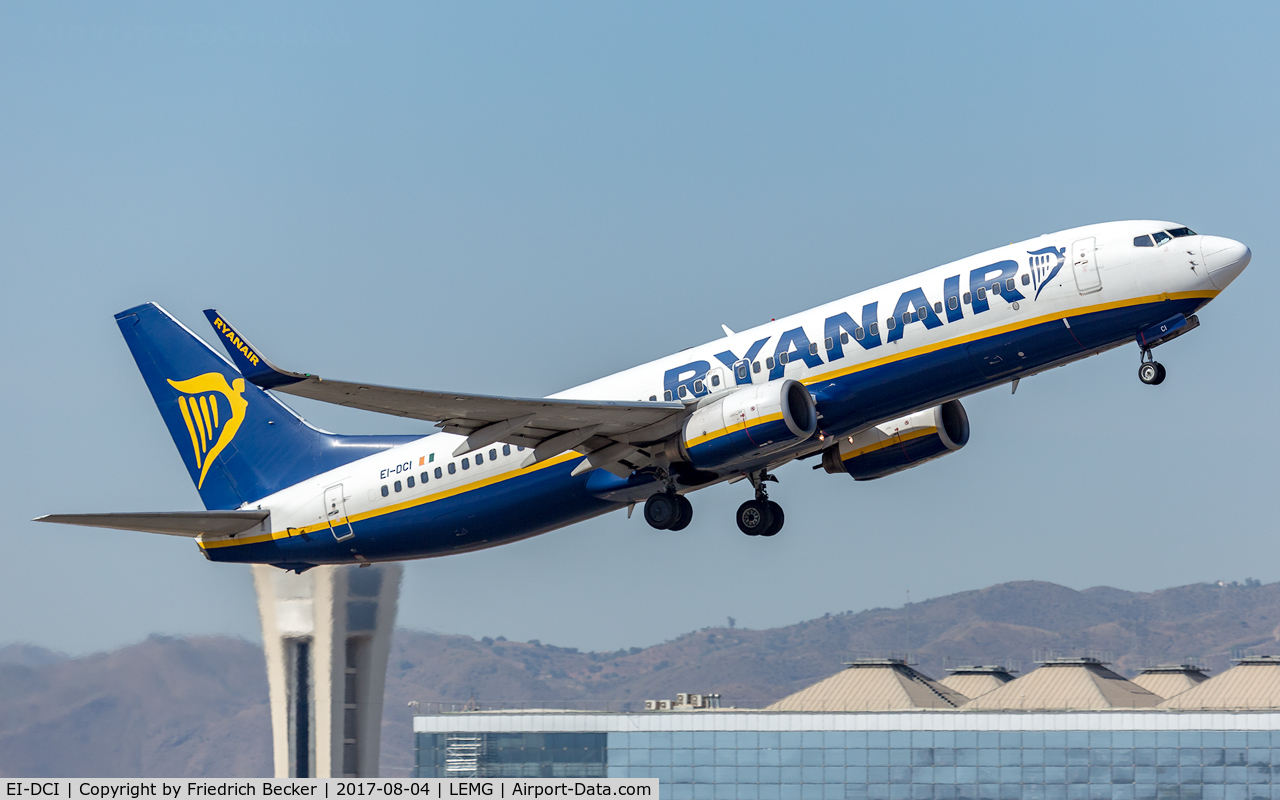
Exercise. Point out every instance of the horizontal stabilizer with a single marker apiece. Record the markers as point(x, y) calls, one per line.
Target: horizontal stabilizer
point(172, 523)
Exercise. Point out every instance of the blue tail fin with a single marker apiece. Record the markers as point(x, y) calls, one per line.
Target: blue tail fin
point(239, 443)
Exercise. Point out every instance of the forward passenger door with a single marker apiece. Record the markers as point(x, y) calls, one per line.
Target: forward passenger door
point(1084, 263)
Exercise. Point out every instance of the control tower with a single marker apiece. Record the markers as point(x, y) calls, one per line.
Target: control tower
point(327, 634)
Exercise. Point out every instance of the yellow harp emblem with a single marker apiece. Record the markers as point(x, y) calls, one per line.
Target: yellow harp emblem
point(201, 401)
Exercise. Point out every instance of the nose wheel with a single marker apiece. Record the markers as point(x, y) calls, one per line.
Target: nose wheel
point(1150, 371)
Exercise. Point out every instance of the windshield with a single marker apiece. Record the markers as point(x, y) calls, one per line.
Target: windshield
point(1161, 237)
point(1178, 233)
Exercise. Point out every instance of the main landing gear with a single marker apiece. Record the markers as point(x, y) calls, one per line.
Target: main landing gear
point(1150, 371)
point(761, 516)
point(668, 511)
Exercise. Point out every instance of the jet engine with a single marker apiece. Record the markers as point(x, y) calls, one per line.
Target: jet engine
point(900, 444)
point(746, 423)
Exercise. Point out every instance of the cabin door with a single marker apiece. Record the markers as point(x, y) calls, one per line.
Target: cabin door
point(335, 511)
point(1084, 263)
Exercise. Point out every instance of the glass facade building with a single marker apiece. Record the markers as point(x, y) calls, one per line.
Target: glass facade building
point(708, 755)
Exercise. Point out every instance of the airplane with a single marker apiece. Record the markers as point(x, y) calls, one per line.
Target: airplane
point(868, 385)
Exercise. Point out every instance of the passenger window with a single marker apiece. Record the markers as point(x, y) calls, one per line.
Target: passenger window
point(699, 387)
point(409, 481)
point(667, 395)
point(906, 317)
point(1009, 285)
point(466, 463)
point(396, 486)
point(438, 474)
point(784, 358)
point(520, 449)
point(844, 337)
point(1161, 237)
point(506, 448)
point(813, 348)
point(385, 491)
point(890, 324)
point(742, 370)
point(683, 391)
point(1178, 233)
point(493, 455)
point(479, 459)
point(875, 329)
point(1142, 241)
point(1026, 279)
point(858, 333)
point(922, 314)
point(715, 380)
point(755, 366)
point(453, 468)
point(953, 302)
point(982, 294)
point(423, 478)
point(968, 298)
point(937, 308)
point(768, 362)
point(995, 288)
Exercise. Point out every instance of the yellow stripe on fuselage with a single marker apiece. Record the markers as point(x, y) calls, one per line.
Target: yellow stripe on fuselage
point(1012, 326)
point(391, 509)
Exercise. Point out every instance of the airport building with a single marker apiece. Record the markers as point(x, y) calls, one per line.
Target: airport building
point(1071, 729)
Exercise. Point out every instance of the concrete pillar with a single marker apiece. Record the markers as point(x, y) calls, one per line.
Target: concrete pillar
point(327, 634)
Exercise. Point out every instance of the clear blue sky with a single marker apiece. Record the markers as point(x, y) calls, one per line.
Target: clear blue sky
point(515, 198)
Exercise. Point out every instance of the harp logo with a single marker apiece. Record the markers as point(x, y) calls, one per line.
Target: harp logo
point(213, 411)
point(1045, 264)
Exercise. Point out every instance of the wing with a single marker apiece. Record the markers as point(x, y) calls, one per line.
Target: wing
point(610, 433)
point(173, 523)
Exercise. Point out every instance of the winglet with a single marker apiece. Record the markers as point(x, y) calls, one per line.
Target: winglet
point(248, 360)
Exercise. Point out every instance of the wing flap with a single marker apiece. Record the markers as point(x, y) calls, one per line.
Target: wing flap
point(171, 523)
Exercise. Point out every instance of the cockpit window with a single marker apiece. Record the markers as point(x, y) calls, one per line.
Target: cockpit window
point(1161, 237)
point(1142, 241)
point(1178, 233)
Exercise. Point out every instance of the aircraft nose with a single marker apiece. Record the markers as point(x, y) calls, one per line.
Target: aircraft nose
point(1226, 258)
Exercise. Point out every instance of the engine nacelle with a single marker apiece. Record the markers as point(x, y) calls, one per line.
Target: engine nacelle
point(747, 423)
point(900, 444)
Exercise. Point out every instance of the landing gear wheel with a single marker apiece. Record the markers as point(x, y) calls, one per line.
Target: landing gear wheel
point(685, 514)
point(779, 518)
point(755, 518)
point(662, 510)
point(1151, 373)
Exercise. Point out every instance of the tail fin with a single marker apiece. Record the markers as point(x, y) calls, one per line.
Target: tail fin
point(239, 443)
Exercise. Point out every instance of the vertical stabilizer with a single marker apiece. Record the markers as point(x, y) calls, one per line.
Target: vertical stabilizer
point(239, 443)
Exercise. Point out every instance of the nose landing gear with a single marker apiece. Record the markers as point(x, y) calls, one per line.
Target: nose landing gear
point(1150, 371)
point(761, 516)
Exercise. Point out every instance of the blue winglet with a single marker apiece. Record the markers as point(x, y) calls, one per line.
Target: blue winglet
point(248, 360)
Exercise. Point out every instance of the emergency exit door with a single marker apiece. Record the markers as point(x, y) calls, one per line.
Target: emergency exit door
point(1085, 265)
point(335, 509)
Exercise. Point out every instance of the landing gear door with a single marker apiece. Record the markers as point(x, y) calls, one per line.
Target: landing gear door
point(1084, 263)
point(335, 511)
